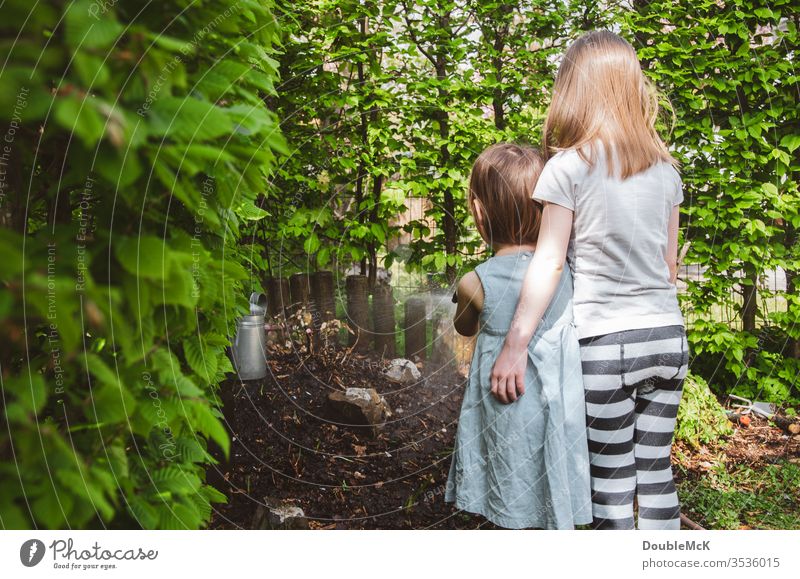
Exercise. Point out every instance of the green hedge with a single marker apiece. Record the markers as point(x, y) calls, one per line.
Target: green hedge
point(136, 142)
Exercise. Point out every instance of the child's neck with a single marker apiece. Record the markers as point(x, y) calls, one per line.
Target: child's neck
point(510, 249)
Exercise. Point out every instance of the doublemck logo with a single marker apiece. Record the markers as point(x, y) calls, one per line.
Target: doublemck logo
point(31, 552)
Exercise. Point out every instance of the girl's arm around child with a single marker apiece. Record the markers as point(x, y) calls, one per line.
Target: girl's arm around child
point(538, 288)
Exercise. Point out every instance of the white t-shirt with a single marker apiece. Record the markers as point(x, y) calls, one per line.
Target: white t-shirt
point(618, 243)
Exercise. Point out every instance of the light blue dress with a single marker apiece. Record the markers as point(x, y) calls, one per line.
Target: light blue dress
point(524, 464)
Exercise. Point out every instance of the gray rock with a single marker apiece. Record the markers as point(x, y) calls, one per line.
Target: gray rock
point(403, 371)
point(280, 515)
point(359, 406)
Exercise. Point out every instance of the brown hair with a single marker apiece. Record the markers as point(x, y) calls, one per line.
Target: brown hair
point(502, 182)
point(602, 95)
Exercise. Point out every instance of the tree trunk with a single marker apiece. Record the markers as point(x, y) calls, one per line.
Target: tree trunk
point(793, 349)
point(498, 94)
point(448, 204)
point(749, 298)
point(377, 186)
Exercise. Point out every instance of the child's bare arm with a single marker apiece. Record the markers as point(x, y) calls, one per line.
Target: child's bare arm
point(470, 303)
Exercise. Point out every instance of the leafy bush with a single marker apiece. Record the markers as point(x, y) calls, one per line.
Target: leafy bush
point(137, 143)
point(701, 418)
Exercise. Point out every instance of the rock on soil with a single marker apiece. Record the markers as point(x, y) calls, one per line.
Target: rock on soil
point(281, 515)
point(358, 406)
point(403, 371)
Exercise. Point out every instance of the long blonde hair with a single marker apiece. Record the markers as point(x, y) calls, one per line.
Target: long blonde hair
point(602, 95)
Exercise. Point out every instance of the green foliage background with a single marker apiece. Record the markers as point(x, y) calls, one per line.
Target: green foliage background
point(386, 101)
point(159, 159)
point(138, 142)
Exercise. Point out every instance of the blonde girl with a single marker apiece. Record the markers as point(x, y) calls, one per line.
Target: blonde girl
point(611, 195)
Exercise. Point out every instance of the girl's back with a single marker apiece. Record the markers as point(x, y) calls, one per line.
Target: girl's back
point(618, 246)
point(501, 277)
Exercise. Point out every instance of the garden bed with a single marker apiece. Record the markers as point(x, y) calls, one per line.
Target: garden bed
point(344, 477)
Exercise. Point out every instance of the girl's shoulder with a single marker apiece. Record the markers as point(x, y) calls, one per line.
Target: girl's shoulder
point(570, 163)
point(568, 157)
point(563, 173)
point(673, 172)
point(482, 274)
point(502, 270)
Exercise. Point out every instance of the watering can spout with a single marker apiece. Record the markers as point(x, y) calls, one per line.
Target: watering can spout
point(258, 304)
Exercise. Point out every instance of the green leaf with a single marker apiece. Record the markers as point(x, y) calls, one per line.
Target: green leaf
point(112, 404)
point(145, 514)
point(208, 424)
point(213, 495)
point(770, 189)
point(91, 69)
point(145, 256)
point(175, 480)
point(81, 118)
point(52, 510)
point(202, 360)
point(790, 142)
point(90, 25)
point(324, 257)
point(29, 390)
point(250, 212)
point(378, 232)
point(311, 244)
point(190, 450)
point(111, 401)
point(189, 119)
point(185, 386)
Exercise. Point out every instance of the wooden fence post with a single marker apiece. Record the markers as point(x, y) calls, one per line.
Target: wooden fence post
point(323, 306)
point(383, 320)
point(299, 289)
point(277, 296)
point(322, 294)
point(415, 327)
point(445, 341)
point(358, 311)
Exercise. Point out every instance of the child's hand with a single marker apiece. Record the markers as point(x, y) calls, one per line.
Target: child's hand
point(508, 374)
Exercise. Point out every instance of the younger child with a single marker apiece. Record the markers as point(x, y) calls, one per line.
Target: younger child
point(524, 464)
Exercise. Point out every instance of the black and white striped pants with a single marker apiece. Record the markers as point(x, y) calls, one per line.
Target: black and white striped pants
point(633, 382)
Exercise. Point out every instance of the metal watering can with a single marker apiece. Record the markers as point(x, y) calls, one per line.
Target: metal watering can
point(249, 353)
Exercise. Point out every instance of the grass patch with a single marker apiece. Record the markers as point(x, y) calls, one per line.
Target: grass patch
point(764, 497)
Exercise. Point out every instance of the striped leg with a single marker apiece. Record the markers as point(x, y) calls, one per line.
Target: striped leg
point(610, 430)
point(633, 381)
point(655, 492)
point(656, 413)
